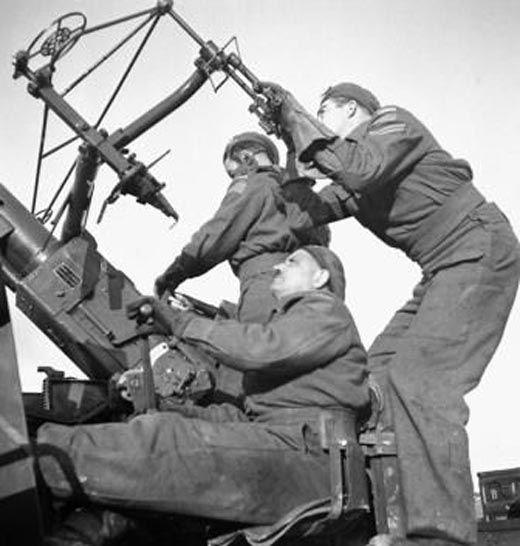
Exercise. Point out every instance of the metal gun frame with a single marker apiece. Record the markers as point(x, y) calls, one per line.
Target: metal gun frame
point(99, 146)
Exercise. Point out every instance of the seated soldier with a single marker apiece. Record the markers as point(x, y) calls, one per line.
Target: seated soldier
point(251, 467)
point(250, 231)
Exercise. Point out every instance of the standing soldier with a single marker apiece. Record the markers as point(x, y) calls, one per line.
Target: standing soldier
point(390, 173)
point(250, 229)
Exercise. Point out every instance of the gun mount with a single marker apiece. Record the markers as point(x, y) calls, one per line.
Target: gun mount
point(99, 147)
point(68, 289)
point(78, 298)
point(62, 283)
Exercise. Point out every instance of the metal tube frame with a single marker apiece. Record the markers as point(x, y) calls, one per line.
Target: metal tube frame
point(134, 176)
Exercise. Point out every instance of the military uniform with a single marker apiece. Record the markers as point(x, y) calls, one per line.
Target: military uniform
point(250, 231)
point(251, 467)
point(395, 179)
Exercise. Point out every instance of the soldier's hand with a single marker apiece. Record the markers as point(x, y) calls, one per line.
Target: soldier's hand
point(122, 382)
point(288, 107)
point(152, 316)
point(165, 283)
point(272, 91)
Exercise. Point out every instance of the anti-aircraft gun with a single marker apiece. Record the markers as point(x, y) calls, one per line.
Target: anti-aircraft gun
point(78, 298)
point(62, 282)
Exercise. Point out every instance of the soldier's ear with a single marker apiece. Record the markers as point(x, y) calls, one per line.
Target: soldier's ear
point(351, 107)
point(231, 166)
point(321, 278)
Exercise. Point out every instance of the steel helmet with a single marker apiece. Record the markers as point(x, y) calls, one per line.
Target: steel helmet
point(256, 142)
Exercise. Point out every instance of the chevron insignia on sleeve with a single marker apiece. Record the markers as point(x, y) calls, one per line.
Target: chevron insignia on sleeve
point(385, 122)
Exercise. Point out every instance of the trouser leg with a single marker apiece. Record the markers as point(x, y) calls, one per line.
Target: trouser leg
point(382, 353)
point(434, 358)
point(164, 462)
point(388, 501)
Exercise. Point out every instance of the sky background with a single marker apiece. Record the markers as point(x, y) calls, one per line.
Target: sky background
point(454, 64)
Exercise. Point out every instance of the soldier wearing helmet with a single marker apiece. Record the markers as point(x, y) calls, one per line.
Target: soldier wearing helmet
point(249, 230)
point(246, 152)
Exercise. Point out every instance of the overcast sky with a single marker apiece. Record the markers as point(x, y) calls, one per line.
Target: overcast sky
point(454, 64)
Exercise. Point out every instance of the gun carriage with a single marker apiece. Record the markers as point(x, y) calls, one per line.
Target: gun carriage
point(73, 294)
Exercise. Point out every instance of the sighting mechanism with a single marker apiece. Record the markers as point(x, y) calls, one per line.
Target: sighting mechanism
point(38, 63)
point(57, 40)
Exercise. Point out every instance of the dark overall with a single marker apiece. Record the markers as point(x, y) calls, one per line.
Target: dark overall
point(251, 232)
point(394, 178)
point(219, 462)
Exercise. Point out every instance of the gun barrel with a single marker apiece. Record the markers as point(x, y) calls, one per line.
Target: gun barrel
point(26, 243)
point(122, 137)
point(81, 194)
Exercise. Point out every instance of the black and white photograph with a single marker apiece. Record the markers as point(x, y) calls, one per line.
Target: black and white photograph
point(258, 270)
